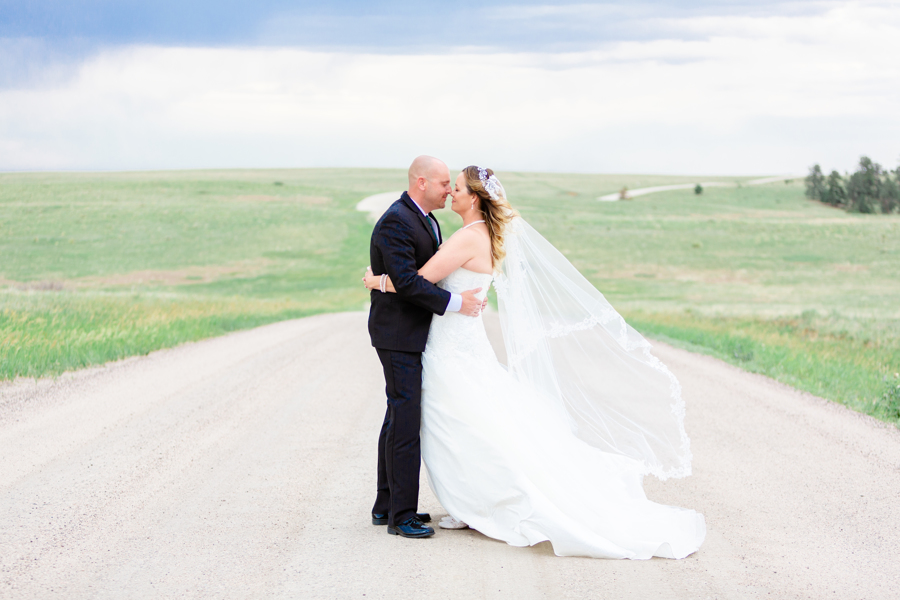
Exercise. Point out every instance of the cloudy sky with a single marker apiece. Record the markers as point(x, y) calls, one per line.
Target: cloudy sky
point(693, 87)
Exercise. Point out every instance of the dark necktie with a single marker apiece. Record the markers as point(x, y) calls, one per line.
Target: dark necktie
point(434, 229)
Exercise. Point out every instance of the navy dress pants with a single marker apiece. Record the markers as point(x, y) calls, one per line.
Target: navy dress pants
point(399, 454)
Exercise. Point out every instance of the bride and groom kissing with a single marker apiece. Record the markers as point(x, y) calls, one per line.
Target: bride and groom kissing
point(552, 446)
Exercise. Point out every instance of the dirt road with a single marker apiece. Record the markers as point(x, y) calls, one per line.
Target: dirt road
point(243, 467)
point(616, 196)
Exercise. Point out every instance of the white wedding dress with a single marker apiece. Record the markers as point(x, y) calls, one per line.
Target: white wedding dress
point(503, 459)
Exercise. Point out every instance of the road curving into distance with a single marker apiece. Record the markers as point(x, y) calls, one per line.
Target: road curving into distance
point(629, 194)
point(244, 467)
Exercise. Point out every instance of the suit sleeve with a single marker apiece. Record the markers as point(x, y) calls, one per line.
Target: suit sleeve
point(394, 240)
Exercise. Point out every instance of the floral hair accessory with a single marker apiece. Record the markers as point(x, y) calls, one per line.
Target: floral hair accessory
point(491, 184)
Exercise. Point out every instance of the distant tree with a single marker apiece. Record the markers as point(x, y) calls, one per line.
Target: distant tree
point(890, 192)
point(698, 189)
point(864, 187)
point(815, 183)
point(834, 190)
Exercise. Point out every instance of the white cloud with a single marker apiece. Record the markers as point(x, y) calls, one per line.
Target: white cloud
point(743, 95)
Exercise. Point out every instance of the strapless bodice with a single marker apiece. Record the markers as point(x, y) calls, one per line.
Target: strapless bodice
point(463, 280)
point(456, 333)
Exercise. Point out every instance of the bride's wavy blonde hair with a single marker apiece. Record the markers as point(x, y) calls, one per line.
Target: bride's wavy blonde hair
point(497, 213)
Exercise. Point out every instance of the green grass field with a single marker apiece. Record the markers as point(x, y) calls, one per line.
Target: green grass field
point(97, 267)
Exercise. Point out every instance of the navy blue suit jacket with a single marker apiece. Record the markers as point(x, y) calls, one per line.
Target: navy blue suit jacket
point(402, 242)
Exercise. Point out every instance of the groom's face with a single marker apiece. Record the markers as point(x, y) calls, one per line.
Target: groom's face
point(437, 187)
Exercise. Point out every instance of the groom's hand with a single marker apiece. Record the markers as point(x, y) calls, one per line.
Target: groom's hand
point(471, 306)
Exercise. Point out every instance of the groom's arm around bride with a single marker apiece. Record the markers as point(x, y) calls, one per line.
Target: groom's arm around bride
point(400, 246)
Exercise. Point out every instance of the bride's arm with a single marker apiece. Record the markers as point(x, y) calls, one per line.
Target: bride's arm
point(454, 253)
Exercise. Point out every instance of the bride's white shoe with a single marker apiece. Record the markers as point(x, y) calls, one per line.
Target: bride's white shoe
point(449, 522)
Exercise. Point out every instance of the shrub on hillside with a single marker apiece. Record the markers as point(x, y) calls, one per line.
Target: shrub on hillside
point(698, 189)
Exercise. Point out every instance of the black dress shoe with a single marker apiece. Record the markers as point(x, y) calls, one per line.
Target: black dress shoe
point(382, 519)
point(411, 528)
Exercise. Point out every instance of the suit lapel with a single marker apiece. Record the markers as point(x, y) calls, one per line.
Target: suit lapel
point(422, 218)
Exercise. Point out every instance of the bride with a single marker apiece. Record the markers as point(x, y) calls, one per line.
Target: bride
point(554, 446)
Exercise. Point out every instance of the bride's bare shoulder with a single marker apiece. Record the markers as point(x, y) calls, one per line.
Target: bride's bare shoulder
point(473, 246)
point(474, 236)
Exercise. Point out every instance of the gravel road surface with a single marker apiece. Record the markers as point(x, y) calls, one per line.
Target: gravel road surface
point(244, 467)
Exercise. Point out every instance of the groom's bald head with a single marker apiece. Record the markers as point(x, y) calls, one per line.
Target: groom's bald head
point(429, 182)
point(428, 167)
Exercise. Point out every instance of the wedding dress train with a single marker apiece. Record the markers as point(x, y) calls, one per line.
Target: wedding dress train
point(505, 460)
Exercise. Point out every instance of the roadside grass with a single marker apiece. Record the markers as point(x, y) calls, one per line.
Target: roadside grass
point(99, 266)
point(808, 352)
point(48, 334)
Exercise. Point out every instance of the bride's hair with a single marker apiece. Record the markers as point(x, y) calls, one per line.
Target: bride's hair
point(496, 209)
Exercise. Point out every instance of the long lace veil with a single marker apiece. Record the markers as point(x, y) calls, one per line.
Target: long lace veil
point(564, 339)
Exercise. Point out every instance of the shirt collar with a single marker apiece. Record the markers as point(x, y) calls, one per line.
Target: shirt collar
point(419, 207)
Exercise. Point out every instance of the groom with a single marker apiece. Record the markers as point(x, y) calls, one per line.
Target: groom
point(403, 240)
